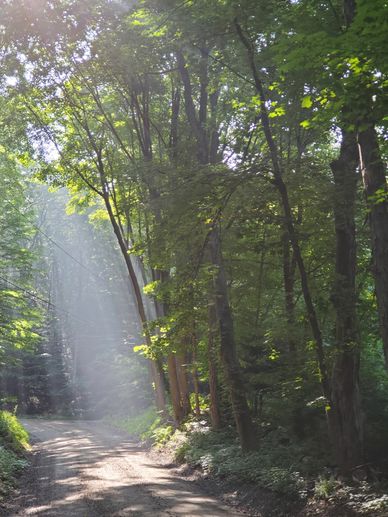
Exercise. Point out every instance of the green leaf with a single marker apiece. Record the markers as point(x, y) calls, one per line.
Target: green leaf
point(307, 102)
point(151, 287)
point(278, 112)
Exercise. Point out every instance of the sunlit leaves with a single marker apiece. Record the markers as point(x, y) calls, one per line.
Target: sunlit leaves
point(277, 112)
point(307, 102)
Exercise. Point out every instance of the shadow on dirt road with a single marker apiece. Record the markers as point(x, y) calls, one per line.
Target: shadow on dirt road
point(86, 469)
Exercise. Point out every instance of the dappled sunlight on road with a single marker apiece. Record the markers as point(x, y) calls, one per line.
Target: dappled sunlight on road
point(86, 469)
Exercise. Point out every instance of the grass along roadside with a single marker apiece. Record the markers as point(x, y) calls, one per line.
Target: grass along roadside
point(14, 444)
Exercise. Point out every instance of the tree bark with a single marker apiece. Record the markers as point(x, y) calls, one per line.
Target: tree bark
point(215, 414)
point(375, 186)
point(376, 192)
point(348, 431)
point(228, 349)
point(174, 388)
point(181, 363)
point(197, 407)
point(289, 283)
point(175, 105)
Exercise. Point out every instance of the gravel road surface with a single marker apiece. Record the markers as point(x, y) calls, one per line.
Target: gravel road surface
point(86, 469)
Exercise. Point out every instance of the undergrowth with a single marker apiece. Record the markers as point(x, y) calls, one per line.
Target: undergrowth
point(219, 454)
point(291, 470)
point(145, 426)
point(275, 466)
point(13, 445)
point(12, 433)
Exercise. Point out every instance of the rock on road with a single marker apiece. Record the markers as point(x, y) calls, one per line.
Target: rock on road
point(85, 469)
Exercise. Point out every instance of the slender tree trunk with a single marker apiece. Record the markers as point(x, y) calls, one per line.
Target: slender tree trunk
point(229, 358)
point(375, 186)
point(311, 312)
point(348, 430)
point(197, 407)
point(228, 349)
point(332, 415)
point(215, 414)
point(260, 279)
point(159, 387)
point(195, 376)
point(175, 105)
point(288, 218)
point(155, 372)
point(289, 283)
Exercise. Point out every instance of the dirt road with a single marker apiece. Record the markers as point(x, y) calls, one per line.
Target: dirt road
point(84, 469)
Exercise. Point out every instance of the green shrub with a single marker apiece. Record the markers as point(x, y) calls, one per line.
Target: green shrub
point(10, 466)
point(13, 443)
point(181, 452)
point(161, 434)
point(12, 434)
point(325, 487)
point(146, 426)
point(218, 453)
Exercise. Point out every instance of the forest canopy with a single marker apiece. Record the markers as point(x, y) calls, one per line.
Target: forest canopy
point(225, 248)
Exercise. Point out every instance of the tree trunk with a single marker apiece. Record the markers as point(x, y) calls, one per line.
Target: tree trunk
point(156, 376)
point(228, 349)
point(215, 415)
point(347, 434)
point(288, 217)
point(159, 387)
point(375, 185)
point(181, 364)
point(174, 388)
point(196, 381)
point(289, 283)
point(230, 362)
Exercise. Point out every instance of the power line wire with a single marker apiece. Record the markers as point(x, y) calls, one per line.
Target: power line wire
point(65, 251)
point(38, 298)
point(50, 239)
point(50, 304)
point(26, 291)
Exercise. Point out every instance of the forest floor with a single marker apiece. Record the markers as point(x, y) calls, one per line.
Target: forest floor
point(86, 469)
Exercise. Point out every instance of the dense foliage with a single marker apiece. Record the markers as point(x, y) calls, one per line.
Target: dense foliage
point(237, 152)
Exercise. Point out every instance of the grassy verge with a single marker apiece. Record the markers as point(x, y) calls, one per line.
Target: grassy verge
point(146, 426)
point(13, 446)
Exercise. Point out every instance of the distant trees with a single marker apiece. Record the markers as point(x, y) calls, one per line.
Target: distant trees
point(20, 316)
